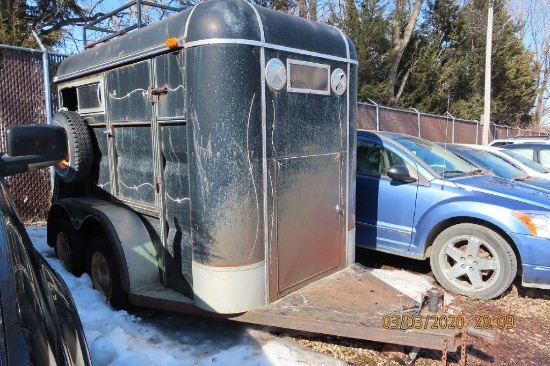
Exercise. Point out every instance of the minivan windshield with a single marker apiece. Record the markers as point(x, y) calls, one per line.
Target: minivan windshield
point(442, 161)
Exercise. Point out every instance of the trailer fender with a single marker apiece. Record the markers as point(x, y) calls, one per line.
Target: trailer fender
point(134, 250)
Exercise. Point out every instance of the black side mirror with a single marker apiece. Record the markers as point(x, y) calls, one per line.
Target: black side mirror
point(400, 173)
point(32, 147)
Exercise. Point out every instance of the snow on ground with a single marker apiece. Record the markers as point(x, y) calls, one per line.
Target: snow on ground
point(149, 338)
point(413, 285)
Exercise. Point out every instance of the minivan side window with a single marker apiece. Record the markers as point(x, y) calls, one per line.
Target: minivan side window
point(374, 160)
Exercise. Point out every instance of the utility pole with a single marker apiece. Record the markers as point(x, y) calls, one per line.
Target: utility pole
point(487, 96)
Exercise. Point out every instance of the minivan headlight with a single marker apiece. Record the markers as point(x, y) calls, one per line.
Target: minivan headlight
point(537, 222)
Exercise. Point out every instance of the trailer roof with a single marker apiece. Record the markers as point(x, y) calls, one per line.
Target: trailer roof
point(216, 21)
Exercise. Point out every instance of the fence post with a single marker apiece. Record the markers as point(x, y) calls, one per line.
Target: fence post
point(417, 119)
point(46, 68)
point(453, 130)
point(377, 114)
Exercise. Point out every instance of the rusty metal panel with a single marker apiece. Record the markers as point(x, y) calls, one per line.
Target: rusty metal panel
point(128, 97)
point(134, 164)
point(349, 303)
point(308, 218)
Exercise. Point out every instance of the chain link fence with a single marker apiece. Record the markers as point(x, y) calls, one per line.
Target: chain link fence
point(22, 101)
point(431, 127)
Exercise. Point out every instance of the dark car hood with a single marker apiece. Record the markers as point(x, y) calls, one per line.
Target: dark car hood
point(514, 190)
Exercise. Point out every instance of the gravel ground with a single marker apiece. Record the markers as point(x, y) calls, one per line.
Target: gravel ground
point(523, 343)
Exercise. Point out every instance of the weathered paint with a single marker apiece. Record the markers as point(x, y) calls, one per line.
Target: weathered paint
point(233, 177)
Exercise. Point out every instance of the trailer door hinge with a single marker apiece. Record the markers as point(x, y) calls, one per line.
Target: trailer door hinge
point(157, 183)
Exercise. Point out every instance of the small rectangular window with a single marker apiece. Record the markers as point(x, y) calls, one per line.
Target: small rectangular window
point(89, 98)
point(308, 77)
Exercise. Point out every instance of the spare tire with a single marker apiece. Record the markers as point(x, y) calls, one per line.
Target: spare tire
point(78, 162)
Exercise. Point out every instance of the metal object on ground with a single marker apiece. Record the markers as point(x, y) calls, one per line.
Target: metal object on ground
point(433, 300)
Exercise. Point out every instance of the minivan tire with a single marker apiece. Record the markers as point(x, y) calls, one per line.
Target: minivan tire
point(78, 162)
point(103, 269)
point(473, 260)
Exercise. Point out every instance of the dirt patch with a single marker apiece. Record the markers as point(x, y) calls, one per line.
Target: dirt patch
point(520, 319)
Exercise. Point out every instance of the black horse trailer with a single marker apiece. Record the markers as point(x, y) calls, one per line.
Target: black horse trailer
point(211, 169)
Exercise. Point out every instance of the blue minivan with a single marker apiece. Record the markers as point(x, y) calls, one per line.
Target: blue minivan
point(418, 200)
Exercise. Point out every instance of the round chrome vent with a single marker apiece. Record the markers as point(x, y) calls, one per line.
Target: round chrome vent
point(275, 74)
point(338, 81)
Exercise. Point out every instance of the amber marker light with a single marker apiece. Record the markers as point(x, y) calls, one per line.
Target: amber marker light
point(527, 221)
point(172, 43)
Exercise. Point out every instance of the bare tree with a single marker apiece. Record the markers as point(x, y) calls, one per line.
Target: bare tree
point(404, 20)
point(307, 9)
point(535, 15)
point(95, 9)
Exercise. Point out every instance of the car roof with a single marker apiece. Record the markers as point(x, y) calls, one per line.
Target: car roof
point(525, 144)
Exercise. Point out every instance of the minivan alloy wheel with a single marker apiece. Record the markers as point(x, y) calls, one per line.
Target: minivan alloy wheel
point(469, 262)
point(473, 260)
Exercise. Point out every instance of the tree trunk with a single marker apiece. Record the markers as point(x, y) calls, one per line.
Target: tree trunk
point(543, 85)
point(313, 10)
point(400, 42)
point(302, 9)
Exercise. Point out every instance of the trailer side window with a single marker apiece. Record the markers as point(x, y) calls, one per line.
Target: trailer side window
point(308, 77)
point(89, 97)
point(68, 99)
point(82, 98)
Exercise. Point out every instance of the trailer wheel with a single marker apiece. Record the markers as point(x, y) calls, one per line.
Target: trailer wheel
point(473, 260)
point(67, 243)
point(103, 269)
point(76, 166)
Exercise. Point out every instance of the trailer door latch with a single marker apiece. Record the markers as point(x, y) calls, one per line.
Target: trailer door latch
point(159, 91)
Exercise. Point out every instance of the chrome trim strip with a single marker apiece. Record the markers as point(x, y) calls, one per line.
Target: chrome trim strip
point(260, 23)
point(264, 154)
point(162, 49)
point(267, 45)
point(187, 22)
point(119, 61)
point(348, 245)
point(390, 227)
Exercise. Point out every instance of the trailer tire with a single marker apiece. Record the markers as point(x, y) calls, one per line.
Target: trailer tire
point(103, 269)
point(473, 260)
point(76, 166)
point(68, 245)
